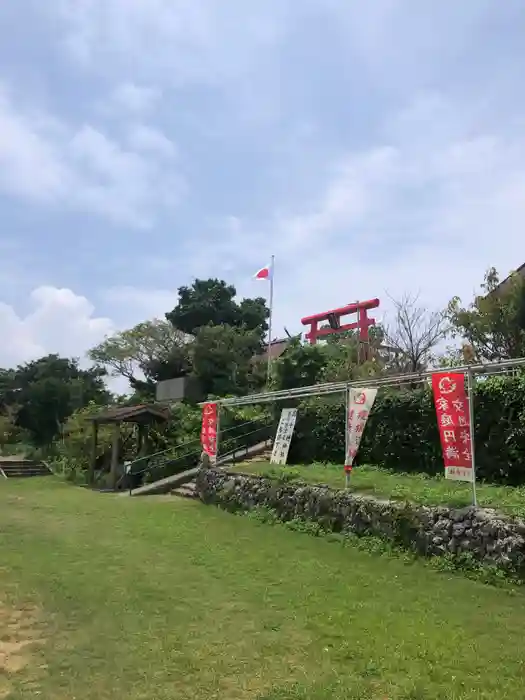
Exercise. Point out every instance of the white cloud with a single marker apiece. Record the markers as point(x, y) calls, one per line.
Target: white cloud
point(135, 304)
point(431, 195)
point(172, 41)
point(149, 140)
point(396, 42)
point(347, 199)
point(63, 322)
point(47, 161)
point(59, 321)
point(424, 210)
point(133, 99)
point(30, 164)
point(404, 45)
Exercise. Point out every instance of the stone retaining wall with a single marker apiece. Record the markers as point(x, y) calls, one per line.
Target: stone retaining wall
point(431, 531)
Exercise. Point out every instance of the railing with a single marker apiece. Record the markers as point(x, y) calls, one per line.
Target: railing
point(248, 441)
point(378, 382)
point(165, 463)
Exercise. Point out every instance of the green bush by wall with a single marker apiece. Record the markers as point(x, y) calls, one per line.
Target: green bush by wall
point(402, 433)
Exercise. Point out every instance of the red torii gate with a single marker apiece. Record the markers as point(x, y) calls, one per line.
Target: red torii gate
point(333, 317)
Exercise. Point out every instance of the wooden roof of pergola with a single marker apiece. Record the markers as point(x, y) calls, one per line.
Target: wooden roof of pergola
point(141, 414)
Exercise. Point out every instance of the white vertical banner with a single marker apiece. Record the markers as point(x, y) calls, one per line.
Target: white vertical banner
point(360, 402)
point(283, 437)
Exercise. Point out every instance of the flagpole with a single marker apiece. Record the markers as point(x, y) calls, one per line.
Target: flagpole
point(269, 368)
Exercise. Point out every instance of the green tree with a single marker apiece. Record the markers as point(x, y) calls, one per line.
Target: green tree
point(47, 391)
point(223, 359)
point(347, 358)
point(338, 359)
point(77, 435)
point(153, 350)
point(208, 336)
point(7, 430)
point(7, 388)
point(494, 323)
point(301, 365)
point(212, 302)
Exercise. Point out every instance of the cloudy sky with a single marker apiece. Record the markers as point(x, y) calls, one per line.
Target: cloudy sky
point(373, 147)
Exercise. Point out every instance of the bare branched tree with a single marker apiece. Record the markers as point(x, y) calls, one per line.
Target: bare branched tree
point(413, 333)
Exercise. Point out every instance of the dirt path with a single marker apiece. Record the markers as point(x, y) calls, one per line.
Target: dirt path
point(20, 633)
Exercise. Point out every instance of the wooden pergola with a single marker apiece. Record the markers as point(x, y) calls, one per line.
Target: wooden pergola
point(142, 415)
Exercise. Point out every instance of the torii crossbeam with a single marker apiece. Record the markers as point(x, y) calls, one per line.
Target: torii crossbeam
point(333, 318)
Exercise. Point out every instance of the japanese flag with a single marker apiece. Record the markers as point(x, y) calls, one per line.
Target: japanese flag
point(265, 273)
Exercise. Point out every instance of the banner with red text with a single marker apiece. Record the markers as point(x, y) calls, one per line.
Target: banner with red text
point(209, 430)
point(360, 402)
point(453, 416)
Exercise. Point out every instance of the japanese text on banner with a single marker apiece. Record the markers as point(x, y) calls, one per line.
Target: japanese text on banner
point(360, 402)
point(453, 416)
point(209, 430)
point(283, 437)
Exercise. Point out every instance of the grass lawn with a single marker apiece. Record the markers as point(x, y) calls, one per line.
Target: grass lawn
point(382, 483)
point(103, 596)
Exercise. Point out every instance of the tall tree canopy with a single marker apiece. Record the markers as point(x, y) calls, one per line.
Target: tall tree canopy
point(223, 360)
point(301, 365)
point(40, 395)
point(151, 349)
point(339, 359)
point(212, 302)
point(208, 335)
point(493, 325)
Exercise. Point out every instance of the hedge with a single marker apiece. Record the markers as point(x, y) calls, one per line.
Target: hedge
point(401, 433)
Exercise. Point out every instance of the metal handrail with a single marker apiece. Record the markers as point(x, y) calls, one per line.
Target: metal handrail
point(178, 458)
point(156, 466)
point(158, 454)
point(237, 449)
point(183, 444)
point(246, 450)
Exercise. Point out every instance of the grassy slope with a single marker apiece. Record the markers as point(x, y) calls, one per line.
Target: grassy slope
point(411, 487)
point(163, 598)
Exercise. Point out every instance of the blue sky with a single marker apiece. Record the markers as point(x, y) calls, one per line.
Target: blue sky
point(375, 148)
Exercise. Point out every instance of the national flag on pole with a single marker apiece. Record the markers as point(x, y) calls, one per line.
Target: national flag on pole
point(265, 273)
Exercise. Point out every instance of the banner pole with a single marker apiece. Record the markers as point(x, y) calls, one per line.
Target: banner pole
point(347, 444)
point(470, 386)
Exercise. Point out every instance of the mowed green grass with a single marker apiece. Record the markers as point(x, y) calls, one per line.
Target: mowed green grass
point(158, 598)
point(383, 483)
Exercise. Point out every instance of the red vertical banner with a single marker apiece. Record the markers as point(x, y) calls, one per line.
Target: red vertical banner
point(209, 430)
point(453, 416)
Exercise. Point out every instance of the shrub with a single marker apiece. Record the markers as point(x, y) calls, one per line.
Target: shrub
point(402, 432)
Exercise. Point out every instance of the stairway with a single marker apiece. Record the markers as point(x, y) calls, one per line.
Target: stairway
point(187, 490)
point(173, 484)
point(259, 452)
point(12, 467)
point(261, 457)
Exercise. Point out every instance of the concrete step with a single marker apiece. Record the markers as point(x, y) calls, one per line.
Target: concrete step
point(188, 490)
point(262, 457)
point(244, 454)
point(170, 483)
point(25, 472)
point(21, 468)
